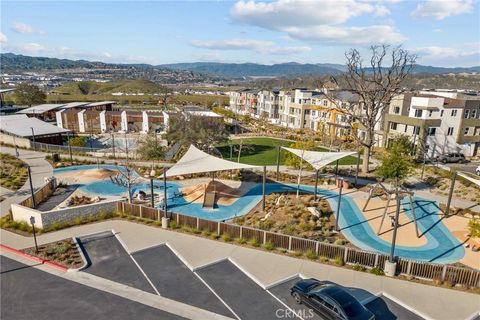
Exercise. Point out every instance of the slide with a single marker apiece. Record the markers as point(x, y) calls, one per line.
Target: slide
point(209, 199)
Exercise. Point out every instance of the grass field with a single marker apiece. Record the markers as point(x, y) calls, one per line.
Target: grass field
point(263, 151)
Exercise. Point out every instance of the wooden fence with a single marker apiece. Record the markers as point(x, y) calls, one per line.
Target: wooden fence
point(40, 195)
point(418, 269)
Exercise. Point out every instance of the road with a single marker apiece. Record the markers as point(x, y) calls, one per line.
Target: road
point(465, 167)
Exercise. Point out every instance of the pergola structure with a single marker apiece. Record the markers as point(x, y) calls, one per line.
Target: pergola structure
point(197, 161)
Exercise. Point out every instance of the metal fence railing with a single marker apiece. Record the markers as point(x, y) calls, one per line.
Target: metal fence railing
point(368, 259)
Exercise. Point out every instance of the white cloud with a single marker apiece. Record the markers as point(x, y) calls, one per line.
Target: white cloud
point(381, 10)
point(23, 28)
point(3, 38)
point(440, 9)
point(319, 21)
point(376, 34)
point(231, 44)
point(460, 55)
point(293, 13)
point(266, 47)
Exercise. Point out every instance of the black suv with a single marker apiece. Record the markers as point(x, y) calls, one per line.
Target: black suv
point(329, 300)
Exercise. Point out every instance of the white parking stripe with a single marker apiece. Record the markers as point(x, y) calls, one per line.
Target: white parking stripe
point(213, 291)
point(294, 312)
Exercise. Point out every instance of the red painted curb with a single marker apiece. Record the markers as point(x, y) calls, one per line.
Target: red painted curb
point(33, 258)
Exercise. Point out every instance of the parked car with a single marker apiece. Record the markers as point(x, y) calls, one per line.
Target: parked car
point(478, 170)
point(452, 157)
point(329, 300)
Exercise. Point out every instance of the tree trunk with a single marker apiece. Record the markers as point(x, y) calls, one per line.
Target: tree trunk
point(366, 159)
point(129, 191)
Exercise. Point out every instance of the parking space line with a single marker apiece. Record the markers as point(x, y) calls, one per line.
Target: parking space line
point(294, 312)
point(218, 297)
point(135, 261)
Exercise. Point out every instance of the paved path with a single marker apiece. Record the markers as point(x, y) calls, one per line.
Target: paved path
point(269, 268)
point(40, 170)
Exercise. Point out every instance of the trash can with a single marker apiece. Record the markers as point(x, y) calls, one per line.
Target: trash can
point(165, 221)
point(55, 157)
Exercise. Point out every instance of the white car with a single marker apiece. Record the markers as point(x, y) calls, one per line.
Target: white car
point(478, 170)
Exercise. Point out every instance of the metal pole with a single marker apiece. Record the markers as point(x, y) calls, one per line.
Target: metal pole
point(279, 149)
point(336, 169)
point(16, 150)
point(165, 189)
point(113, 144)
point(231, 151)
point(450, 194)
point(394, 237)
point(151, 193)
point(263, 186)
point(300, 175)
point(316, 186)
point(358, 168)
point(69, 148)
point(32, 220)
point(338, 205)
point(33, 137)
point(34, 205)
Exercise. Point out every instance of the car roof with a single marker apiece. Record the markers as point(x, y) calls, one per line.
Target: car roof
point(336, 293)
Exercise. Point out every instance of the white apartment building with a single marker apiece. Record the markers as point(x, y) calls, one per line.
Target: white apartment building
point(437, 123)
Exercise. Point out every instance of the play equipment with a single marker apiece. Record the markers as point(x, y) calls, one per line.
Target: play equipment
point(392, 194)
point(209, 199)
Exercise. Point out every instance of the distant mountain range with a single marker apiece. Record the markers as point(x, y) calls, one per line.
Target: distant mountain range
point(13, 62)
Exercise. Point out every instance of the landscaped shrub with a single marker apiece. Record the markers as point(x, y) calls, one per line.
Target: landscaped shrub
point(310, 254)
point(377, 271)
point(340, 242)
point(269, 245)
point(226, 237)
point(78, 221)
point(172, 224)
point(54, 226)
point(358, 267)
point(240, 240)
point(296, 253)
point(338, 260)
point(323, 259)
point(206, 232)
point(157, 223)
point(254, 242)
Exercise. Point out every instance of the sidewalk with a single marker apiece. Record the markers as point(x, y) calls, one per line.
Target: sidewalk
point(40, 170)
point(268, 268)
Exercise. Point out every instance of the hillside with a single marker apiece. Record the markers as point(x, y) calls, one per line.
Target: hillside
point(125, 86)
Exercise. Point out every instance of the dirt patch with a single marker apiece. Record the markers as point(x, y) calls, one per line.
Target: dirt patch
point(63, 252)
point(13, 172)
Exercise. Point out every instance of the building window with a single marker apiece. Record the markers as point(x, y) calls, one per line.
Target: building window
point(430, 113)
point(432, 131)
point(450, 131)
point(325, 102)
point(454, 113)
point(393, 125)
point(474, 113)
point(467, 114)
point(465, 132)
point(396, 110)
point(416, 130)
point(441, 113)
point(418, 113)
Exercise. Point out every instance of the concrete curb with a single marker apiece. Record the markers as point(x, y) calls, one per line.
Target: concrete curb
point(82, 254)
point(33, 258)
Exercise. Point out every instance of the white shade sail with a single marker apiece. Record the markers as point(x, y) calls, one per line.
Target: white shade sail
point(319, 159)
point(197, 161)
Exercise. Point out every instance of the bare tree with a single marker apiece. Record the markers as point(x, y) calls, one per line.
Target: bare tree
point(126, 173)
point(373, 85)
point(164, 96)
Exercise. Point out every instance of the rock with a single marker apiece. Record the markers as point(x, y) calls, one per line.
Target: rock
point(96, 199)
point(181, 178)
point(59, 165)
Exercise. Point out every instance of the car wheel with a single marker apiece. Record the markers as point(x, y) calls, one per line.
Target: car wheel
point(297, 298)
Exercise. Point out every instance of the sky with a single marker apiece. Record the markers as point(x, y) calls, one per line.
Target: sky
point(440, 32)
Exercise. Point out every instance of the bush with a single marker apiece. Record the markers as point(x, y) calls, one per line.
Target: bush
point(102, 215)
point(269, 245)
point(296, 253)
point(310, 254)
point(254, 242)
point(240, 240)
point(323, 259)
point(157, 223)
point(226, 237)
point(206, 232)
point(340, 242)
point(358, 267)
point(338, 260)
point(78, 221)
point(377, 271)
point(172, 224)
point(54, 226)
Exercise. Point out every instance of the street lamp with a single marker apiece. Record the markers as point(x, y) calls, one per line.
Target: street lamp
point(152, 175)
point(33, 137)
point(31, 186)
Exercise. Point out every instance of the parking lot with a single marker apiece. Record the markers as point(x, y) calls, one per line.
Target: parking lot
point(220, 287)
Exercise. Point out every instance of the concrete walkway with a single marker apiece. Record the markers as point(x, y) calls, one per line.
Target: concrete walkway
point(268, 268)
point(40, 170)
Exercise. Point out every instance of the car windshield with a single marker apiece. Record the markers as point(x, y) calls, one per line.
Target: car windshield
point(353, 308)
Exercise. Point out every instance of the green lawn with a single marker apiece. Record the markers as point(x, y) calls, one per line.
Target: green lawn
point(263, 151)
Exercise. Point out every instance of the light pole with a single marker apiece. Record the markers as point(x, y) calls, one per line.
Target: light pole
point(152, 196)
point(33, 137)
point(16, 150)
point(32, 221)
point(395, 227)
point(69, 148)
point(31, 186)
point(339, 203)
point(450, 193)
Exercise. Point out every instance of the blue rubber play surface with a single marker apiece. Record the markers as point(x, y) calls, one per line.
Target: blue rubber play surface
point(441, 245)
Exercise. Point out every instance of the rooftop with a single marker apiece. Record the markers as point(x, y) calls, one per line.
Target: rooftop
point(42, 108)
point(21, 126)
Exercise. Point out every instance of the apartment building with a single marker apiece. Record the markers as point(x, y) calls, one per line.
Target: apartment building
point(437, 122)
